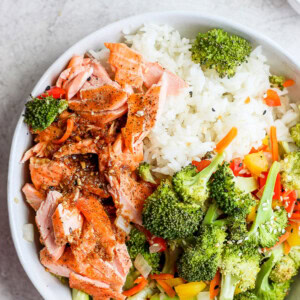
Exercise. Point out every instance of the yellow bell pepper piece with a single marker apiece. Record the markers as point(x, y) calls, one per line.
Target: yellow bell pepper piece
point(256, 163)
point(294, 237)
point(174, 281)
point(191, 289)
point(251, 216)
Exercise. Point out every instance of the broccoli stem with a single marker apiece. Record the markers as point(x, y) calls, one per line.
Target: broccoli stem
point(170, 260)
point(262, 285)
point(211, 214)
point(264, 211)
point(211, 168)
point(228, 285)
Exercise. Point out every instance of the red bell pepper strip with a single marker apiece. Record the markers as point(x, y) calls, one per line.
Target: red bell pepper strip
point(289, 198)
point(200, 165)
point(55, 92)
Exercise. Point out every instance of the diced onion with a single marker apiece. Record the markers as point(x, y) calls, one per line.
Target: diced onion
point(28, 232)
point(203, 296)
point(154, 248)
point(142, 265)
point(123, 224)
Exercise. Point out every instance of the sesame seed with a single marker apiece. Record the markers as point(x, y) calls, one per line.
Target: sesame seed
point(239, 241)
point(265, 208)
point(283, 230)
point(275, 231)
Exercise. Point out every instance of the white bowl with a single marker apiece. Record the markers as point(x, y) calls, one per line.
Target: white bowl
point(188, 23)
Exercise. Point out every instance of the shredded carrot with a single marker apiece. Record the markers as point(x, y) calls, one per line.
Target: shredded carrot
point(167, 288)
point(223, 144)
point(247, 100)
point(137, 288)
point(274, 143)
point(161, 276)
point(139, 279)
point(70, 126)
point(288, 83)
point(214, 287)
point(286, 247)
point(282, 239)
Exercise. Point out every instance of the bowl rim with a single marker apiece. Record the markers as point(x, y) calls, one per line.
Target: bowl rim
point(125, 21)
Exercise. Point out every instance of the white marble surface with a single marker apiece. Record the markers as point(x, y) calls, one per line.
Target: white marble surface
point(33, 33)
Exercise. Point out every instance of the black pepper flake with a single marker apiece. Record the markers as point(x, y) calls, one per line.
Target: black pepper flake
point(89, 78)
point(264, 112)
point(191, 94)
point(240, 165)
point(292, 230)
point(47, 88)
point(213, 109)
point(216, 287)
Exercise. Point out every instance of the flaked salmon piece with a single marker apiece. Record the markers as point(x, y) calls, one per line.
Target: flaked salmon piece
point(50, 133)
point(67, 223)
point(152, 73)
point(110, 274)
point(103, 117)
point(95, 214)
point(86, 243)
point(127, 64)
point(143, 111)
point(57, 267)
point(44, 223)
point(95, 288)
point(33, 196)
point(128, 194)
point(63, 76)
point(122, 261)
point(76, 60)
point(74, 71)
point(45, 172)
point(37, 150)
point(96, 190)
point(99, 99)
point(82, 147)
point(76, 83)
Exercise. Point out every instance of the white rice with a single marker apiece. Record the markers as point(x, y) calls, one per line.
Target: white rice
point(194, 121)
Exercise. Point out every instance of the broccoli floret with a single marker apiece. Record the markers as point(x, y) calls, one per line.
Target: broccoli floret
point(284, 269)
point(240, 266)
point(191, 185)
point(249, 295)
point(145, 172)
point(200, 261)
point(268, 225)
point(216, 49)
point(136, 244)
point(295, 134)
point(40, 113)
point(164, 215)
point(295, 255)
point(277, 81)
point(264, 288)
point(225, 189)
point(237, 228)
point(290, 171)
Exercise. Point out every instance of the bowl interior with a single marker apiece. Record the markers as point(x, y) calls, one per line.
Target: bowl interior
point(189, 24)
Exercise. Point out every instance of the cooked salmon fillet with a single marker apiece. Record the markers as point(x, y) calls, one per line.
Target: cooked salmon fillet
point(86, 244)
point(128, 194)
point(152, 73)
point(57, 267)
point(127, 64)
point(37, 150)
point(103, 117)
point(45, 172)
point(82, 147)
point(33, 196)
point(95, 214)
point(95, 288)
point(67, 223)
point(43, 220)
point(99, 99)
